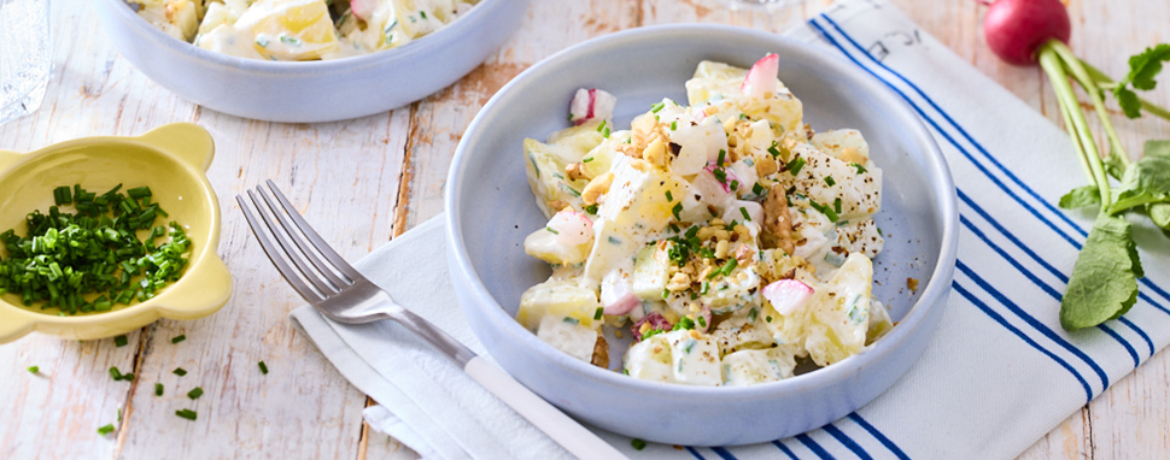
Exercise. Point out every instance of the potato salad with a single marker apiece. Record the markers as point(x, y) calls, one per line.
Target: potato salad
point(299, 30)
point(725, 236)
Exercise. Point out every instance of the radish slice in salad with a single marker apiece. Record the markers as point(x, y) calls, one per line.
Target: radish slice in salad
point(362, 9)
point(617, 295)
point(572, 228)
point(591, 103)
point(786, 296)
point(761, 79)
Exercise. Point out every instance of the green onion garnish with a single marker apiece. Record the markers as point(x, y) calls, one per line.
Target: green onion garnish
point(729, 266)
point(665, 294)
point(676, 210)
point(758, 189)
point(656, 107)
point(196, 393)
point(597, 314)
point(178, 339)
point(638, 444)
point(722, 154)
point(187, 414)
point(837, 205)
point(669, 197)
point(158, 389)
point(180, 371)
point(674, 125)
point(587, 160)
point(591, 209)
point(34, 369)
point(829, 180)
point(120, 341)
point(550, 230)
point(774, 150)
point(109, 428)
point(734, 184)
point(706, 286)
point(746, 216)
point(860, 169)
point(263, 367)
point(795, 165)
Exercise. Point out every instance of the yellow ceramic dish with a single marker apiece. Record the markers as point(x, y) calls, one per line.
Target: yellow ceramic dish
point(172, 161)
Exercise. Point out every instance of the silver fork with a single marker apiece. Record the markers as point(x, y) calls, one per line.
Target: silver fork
point(339, 292)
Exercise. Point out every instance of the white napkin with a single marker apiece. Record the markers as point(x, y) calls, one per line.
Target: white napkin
point(999, 373)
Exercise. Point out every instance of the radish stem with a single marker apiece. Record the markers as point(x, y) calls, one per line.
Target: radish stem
point(1051, 62)
point(1082, 76)
point(1104, 82)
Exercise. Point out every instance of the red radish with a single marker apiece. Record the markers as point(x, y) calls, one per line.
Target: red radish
point(761, 78)
point(592, 103)
point(728, 177)
point(786, 296)
point(363, 9)
point(1016, 29)
point(623, 305)
point(572, 228)
point(656, 320)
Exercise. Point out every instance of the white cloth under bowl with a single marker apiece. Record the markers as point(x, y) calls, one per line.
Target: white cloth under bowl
point(999, 373)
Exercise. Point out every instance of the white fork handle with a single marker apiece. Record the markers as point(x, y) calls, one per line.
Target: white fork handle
point(565, 431)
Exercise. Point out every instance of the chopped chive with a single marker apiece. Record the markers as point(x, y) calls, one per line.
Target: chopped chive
point(180, 371)
point(158, 389)
point(665, 294)
point(179, 338)
point(115, 373)
point(597, 314)
point(860, 169)
point(263, 367)
point(196, 393)
point(837, 205)
point(795, 165)
point(734, 185)
point(187, 414)
point(638, 444)
point(120, 341)
point(676, 210)
point(669, 197)
point(423, 14)
point(758, 189)
point(34, 369)
point(550, 230)
point(572, 320)
point(768, 318)
point(729, 266)
point(109, 428)
point(706, 286)
point(614, 241)
point(656, 107)
point(674, 125)
point(702, 321)
point(591, 209)
point(829, 180)
point(722, 155)
point(601, 126)
point(587, 160)
point(720, 175)
point(773, 150)
point(746, 216)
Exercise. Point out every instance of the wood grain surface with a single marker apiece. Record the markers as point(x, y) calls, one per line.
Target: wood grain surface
point(364, 181)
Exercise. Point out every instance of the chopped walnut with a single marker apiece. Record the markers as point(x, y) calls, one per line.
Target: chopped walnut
point(777, 221)
point(601, 352)
point(597, 187)
point(912, 283)
point(679, 282)
point(766, 165)
point(576, 171)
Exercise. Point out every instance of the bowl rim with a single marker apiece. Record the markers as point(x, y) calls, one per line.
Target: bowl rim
point(207, 255)
point(932, 297)
point(320, 67)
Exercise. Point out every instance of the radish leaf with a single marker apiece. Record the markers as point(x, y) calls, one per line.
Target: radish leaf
point(1114, 164)
point(1160, 214)
point(1143, 68)
point(1145, 181)
point(1081, 197)
point(1103, 284)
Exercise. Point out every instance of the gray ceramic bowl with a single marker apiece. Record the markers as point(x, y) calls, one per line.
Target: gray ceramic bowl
point(315, 91)
point(490, 210)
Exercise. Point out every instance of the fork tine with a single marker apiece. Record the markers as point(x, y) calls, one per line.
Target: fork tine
point(325, 269)
point(275, 255)
point(314, 238)
point(294, 255)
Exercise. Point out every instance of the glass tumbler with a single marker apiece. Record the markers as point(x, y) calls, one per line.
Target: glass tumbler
point(26, 56)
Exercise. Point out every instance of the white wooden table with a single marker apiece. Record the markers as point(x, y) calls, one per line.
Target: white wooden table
point(364, 181)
